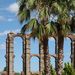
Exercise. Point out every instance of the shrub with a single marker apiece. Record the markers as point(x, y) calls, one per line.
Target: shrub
point(53, 72)
point(68, 69)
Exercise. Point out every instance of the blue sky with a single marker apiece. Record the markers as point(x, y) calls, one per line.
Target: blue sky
point(9, 22)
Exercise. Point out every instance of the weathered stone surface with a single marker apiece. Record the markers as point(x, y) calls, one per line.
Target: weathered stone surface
point(26, 56)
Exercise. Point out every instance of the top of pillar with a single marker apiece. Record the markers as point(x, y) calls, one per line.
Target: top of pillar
point(12, 34)
point(71, 36)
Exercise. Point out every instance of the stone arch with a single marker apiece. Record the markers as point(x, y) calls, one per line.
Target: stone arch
point(10, 52)
point(72, 37)
point(22, 38)
point(27, 55)
point(34, 55)
point(37, 59)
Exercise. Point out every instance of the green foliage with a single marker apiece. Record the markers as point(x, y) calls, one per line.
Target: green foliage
point(17, 74)
point(68, 70)
point(73, 24)
point(65, 29)
point(50, 29)
point(32, 25)
point(45, 9)
point(42, 28)
point(24, 15)
point(56, 8)
point(39, 30)
point(53, 72)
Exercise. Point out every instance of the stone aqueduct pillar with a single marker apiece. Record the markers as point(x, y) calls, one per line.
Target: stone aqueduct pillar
point(72, 37)
point(23, 56)
point(10, 55)
point(26, 54)
point(6, 56)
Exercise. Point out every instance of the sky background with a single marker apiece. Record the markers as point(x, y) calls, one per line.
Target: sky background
point(10, 23)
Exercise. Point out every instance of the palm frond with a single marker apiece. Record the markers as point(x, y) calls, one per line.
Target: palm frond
point(50, 29)
point(38, 32)
point(43, 12)
point(32, 25)
point(56, 8)
point(63, 18)
point(24, 28)
point(66, 29)
point(31, 4)
point(22, 4)
point(72, 5)
point(24, 15)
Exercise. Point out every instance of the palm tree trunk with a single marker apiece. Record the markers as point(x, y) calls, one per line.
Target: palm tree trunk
point(60, 53)
point(46, 56)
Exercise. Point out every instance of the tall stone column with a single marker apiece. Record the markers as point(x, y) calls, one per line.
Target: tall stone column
point(7, 54)
point(27, 54)
point(10, 55)
point(73, 52)
point(24, 57)
point(41, 60)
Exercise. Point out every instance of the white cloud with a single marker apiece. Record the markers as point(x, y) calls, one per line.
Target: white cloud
point(2, 18)
point(8, 31)
point(10, 19)
point(13, 8)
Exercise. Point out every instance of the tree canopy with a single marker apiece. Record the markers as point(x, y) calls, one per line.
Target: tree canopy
point(45, 8)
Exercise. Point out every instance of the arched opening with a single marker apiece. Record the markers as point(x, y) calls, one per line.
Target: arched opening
point(34, 65)
point(34, 46)
point(51, 45)
point(18, 54)
point(67, 50)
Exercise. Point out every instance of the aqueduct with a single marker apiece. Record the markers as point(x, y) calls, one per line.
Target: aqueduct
point(26, 56)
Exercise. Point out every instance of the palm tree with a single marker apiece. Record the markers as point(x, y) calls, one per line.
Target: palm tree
point(63, 26)
point(42, 28)
point(42, 33)
point(60, 50)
